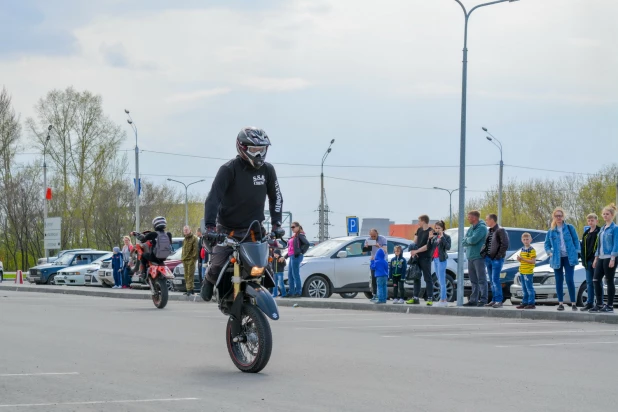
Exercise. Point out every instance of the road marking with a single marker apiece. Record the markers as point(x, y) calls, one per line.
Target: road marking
point(4, 375)
point(519, 333)
point(433, 326)
point(557, 344)
point(27, 405)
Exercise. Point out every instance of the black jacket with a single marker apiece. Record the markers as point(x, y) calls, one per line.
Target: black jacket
point(237, 195)
point(278, 266)
point(499, 243)
point(590, 244)
point(443, 246)
point(301, 244)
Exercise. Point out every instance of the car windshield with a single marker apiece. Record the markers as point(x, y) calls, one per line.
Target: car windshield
point(326, 248)
point(176, 256)
point(454, 234)
point(102, 258)
point(541, 254)
point(65, 259)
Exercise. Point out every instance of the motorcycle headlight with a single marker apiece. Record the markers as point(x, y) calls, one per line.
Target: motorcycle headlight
point(257, 271)
point(550, 281)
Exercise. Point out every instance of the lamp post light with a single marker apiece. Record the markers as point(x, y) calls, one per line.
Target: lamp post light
point(462, 149)
point(186, 197)
point(322, 231)
point(137, 182)
point(450, 205)
point(47, 139)
point(498, 144)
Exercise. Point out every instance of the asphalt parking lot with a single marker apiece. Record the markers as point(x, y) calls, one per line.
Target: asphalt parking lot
point(74, 353)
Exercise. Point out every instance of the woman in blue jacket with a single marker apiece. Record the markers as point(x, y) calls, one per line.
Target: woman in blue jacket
point(562, 246)
point(605, 261)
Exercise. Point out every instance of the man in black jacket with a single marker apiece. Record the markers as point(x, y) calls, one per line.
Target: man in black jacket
point(496, 245)
point(590, 243)
point(237, 196)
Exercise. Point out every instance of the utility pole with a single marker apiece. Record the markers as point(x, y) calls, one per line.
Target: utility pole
point(462, 150)
point(47, 139)
point(137, 182)
point(493, 140)
point(323, 232)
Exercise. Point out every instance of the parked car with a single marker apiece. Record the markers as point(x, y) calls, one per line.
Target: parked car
point(515, 244)
point(179, 279)
point(47, 272)
point(52, 259)
point(174, 259)
point(80, 275)
point(177, 243)
point(339, 266)
point(545, 286)
point(509, 271)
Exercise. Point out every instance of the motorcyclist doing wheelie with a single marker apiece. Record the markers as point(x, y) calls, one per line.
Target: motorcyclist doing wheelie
point(237, 197)
point(159, 247)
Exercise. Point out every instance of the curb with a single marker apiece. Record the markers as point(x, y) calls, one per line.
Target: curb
point(343, 305)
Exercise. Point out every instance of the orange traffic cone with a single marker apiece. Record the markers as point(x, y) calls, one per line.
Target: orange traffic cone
point(19, 277)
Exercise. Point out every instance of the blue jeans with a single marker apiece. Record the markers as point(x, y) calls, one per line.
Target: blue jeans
point(494, 267)
point(296, 287)
point(527, 284)
point(441, 272)
point(589, 282)
point(126, 278)
point(279, 285)
point(381, 286)
point(568, 270)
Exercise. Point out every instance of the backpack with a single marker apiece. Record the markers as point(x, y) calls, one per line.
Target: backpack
point(163, 248)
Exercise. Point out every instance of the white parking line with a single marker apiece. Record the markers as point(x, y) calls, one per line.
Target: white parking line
point(433, 326)
point(556, 332)
point(27, 405)
point(4, 375)
point(557, 344)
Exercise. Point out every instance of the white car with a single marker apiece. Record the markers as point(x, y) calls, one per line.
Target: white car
point(79, 275)
point(339, 266)
point(105, 274)
point(545, 286)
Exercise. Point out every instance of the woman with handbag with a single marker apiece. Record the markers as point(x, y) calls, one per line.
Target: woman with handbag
point(439, 245)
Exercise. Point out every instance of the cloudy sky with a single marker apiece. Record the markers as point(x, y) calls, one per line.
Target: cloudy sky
point(382, 78)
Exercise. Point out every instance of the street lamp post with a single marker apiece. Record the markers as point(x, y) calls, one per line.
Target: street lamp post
point(186, 197)
point(137, 182)
point(462, 150)
point(450, 204)
point(47, 139)
point(493, 140)
point(321, 236)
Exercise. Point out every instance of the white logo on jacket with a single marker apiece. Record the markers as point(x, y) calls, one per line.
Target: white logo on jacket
point(259, 180)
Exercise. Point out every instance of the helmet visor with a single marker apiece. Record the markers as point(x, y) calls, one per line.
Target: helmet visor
point(257, 150)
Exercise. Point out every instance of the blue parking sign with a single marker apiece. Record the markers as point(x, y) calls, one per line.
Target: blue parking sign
point(353, 225)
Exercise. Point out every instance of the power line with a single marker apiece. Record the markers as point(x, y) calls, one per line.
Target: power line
point(551, 170)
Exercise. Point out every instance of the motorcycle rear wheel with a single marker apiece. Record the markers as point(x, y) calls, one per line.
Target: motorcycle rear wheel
point(160, 292)
point(252, 353)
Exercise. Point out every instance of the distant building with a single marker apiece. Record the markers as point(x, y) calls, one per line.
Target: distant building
point(381, 224)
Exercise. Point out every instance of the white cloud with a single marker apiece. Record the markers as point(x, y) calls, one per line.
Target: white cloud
point(197, 95)
point(273, 84)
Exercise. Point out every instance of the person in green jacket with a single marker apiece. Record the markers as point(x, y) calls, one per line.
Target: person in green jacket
point(473, 242)
point(189, 256)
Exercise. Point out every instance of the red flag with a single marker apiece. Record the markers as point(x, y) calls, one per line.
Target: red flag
point(48, 194)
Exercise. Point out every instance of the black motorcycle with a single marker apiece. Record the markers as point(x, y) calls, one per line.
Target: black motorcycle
point(242, 295)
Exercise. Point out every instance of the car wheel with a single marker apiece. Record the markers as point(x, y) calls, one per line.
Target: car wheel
point(582, 295)
point(51, 280)
point(317, 287)
point(106, 285)
point(348, 295)
point(369, 295)
point(450, 289)
point(1, 277)
point(170, 285)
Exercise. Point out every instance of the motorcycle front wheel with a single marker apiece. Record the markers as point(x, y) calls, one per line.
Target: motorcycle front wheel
point(252, 350)
point(160, 295)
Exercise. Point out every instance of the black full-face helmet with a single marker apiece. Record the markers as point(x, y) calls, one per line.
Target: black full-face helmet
point(252, 145)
